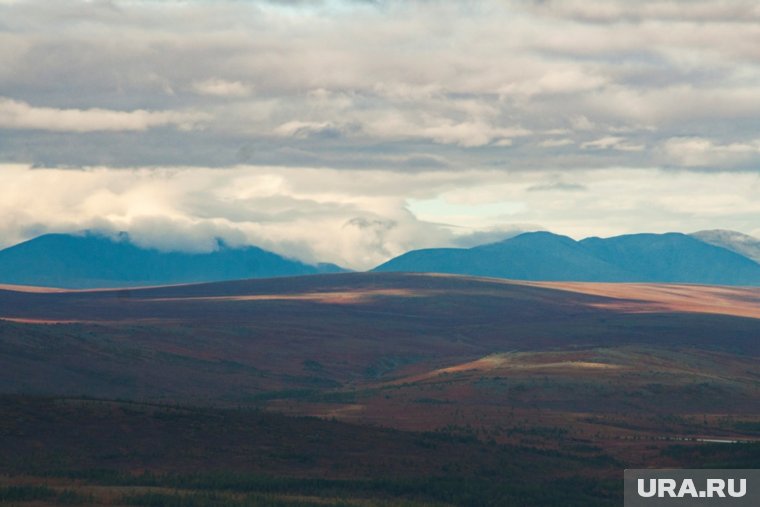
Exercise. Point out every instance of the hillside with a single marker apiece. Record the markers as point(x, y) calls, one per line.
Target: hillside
point(181, 455)
point(427, 389)
point(662, 258)
point(245, 340)
point(90, 260)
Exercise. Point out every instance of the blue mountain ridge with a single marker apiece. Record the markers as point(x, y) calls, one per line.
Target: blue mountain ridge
point(544, 256)
point(91, 260)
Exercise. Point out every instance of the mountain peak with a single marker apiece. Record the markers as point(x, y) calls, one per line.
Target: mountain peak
point(531, 237)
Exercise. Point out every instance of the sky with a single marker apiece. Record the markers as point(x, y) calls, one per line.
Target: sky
point(353, 131)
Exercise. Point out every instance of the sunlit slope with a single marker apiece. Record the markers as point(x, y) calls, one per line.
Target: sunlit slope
point(652, 298)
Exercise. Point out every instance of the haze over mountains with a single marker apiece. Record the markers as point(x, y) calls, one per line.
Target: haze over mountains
point(92, 260)
point(743, 244)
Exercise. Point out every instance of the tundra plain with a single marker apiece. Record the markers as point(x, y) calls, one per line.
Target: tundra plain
point(372, 389)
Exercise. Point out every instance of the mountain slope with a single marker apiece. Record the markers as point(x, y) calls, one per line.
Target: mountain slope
point(529, 256)
point(675, 257)
point(91, 261)
point(631, 258)
point(743, 244)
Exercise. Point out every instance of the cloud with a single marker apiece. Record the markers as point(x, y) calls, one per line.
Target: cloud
point(307, 213)
point(612, 143)
point(701, 152)
point(555, 143)
point(445, 119)
point(440, 130)
point(310, 129)
point(361, 218)
point(557, 186)
point(221, 88)
point(605, 11)
point(20, 115)
point(365, 81)
point(556, 81)
point(471, 134)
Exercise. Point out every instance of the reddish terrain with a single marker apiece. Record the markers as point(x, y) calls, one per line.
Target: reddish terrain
point(652, 298)
point(613, 375)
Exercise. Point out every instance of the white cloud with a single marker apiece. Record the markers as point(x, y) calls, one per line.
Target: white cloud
point(361, 218)
point(20, 115)
point(469, 134)
point(556, 81)
point(740, 11)
point(612, 143)
point(305, 129)
point(555, 143)
point(489, 112)
point(701, 152)
point(350, 85)
point(222, 88)
point(437, 74)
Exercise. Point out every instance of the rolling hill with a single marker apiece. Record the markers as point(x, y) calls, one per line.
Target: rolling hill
point(663, 258)
point(427, 389)
point(90, 260)
point(244, 340)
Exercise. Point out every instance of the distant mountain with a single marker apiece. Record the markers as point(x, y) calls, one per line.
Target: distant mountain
point(748, 246)
point(90, 260)
point(675, 257)
point(528, 256)
point(672, 257)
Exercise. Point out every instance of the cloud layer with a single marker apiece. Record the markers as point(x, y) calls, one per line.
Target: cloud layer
point(519, 84)
point(350, 131)
point(357, 218)
point(21, 116)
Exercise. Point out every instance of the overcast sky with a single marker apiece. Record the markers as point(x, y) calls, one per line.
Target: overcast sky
point(352, 131)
